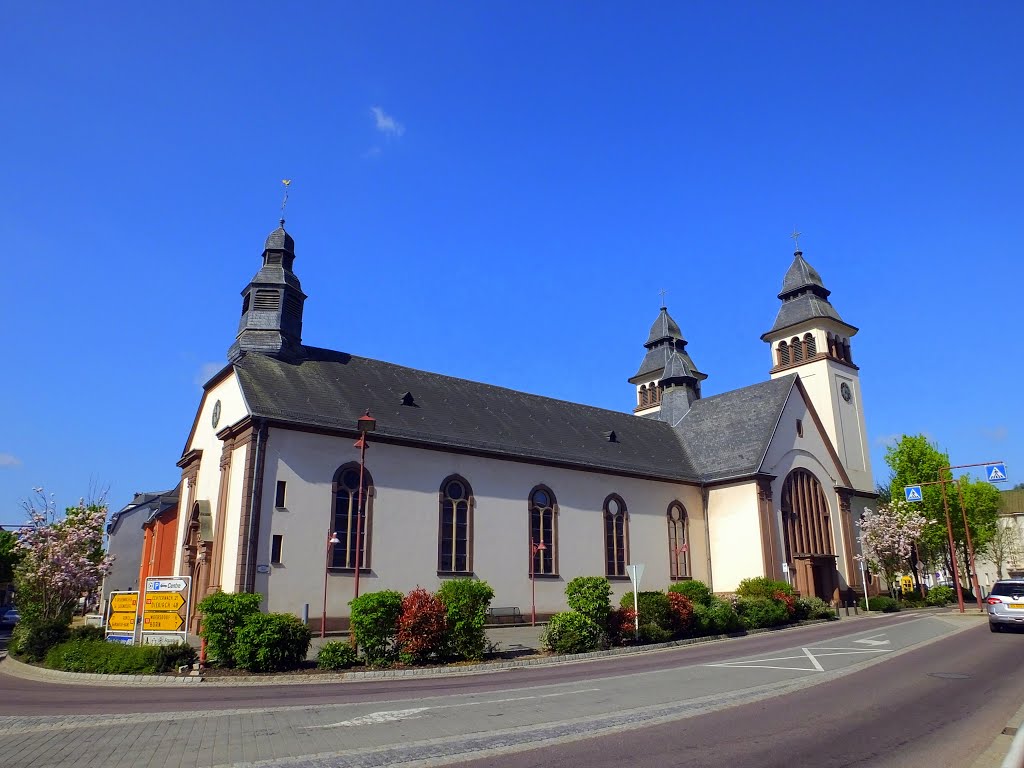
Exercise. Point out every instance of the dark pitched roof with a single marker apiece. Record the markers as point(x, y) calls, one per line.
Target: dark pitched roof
point(279, 240)
point(332, 389)
point(805, 307)
point(727, 435)
point(664, 328)
point(801, 275)
point(153, 500)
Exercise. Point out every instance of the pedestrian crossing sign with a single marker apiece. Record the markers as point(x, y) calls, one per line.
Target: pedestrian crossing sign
point(913, 493)
point(995, 473)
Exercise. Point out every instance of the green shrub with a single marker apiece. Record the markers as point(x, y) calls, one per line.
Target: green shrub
point(87, 632)
point(271, 642)
point(170, 657)
point(223, 616)
point(421, 626)
point(759, 586)
point(680, 614)
point(572, 632)
point(466, 602)
point(622, 626)
point(336, 655)
point(758, 612)
point(103, 658)
point(37, 639)
point(652, 633)
point(590, 596)
point(697, 592)
point(653, 607)
point(716, 618)
point(374, 622)
point(814, 608)
point(941, 595)
point(883, 604)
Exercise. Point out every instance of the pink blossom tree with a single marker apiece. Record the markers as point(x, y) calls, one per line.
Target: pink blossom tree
point(60, 558)
point(887, 535)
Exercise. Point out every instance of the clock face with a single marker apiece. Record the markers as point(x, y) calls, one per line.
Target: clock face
point(844, 390)
point(216, 413)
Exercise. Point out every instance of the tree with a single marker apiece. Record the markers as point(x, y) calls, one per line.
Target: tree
point(1006, 546)
point(914, 460)
point(981, 509)
point(8, 555)
point(887, 536)
point(60, 558)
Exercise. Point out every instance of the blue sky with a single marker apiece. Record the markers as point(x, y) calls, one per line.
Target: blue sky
point(498, 191)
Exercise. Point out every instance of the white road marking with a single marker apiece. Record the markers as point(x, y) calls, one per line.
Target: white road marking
point(814, 661)
point(389, 716)
point(872, 641)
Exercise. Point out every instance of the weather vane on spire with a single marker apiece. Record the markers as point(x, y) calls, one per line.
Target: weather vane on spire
point(796, 238)
point(662, 292)
point(284, 203)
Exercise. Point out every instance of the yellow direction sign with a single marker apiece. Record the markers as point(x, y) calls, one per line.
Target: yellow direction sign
point(127, 603)
point(163, 601)
point(162, 622)
point(121, 622)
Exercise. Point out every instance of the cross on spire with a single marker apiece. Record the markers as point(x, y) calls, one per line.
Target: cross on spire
point(284, 203)
point(796, 238)
point(662, 292)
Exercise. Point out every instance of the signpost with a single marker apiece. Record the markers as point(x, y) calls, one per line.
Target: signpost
point(636, 573)
point(995, 473)
point(913, 493)
point(122, 615)
point(163, 619)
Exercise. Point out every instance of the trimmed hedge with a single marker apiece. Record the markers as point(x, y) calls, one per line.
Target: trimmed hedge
point(272, 642)
point(759, 612)
point(653, 608)
point(716, 618)
point(883, 604)
point(466, 602)
point(103, 658)
point(941, 595)
point(572, 632)
point(814, 608)
point(374, 622)
point(336, 655)
point(697, 592)
point(223, 616)
point(592, 597)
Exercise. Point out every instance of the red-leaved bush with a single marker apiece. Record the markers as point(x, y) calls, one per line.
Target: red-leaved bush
point(421, 626)
point(680, 613)
point(789, 601)
point(621, 625)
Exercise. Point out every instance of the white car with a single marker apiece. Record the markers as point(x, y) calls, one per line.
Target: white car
point(1006, 604)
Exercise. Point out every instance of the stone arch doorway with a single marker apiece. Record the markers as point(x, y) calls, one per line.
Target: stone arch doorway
point(196, 557)
point(807, 533)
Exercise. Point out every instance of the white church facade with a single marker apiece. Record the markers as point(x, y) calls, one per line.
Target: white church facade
point(526, 492)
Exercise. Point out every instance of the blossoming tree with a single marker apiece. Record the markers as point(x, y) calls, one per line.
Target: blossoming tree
point(59, 558)
point(887, 535)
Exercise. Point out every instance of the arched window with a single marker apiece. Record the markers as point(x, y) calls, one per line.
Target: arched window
point(616, 536)
point(347, 519)
point(810, 347)
point(655, 395)
point(798, 349)
point(783, 353)
point(455, 526)
point(543, 530)
point(847, 355)
point(678, 541)
point(643, 395)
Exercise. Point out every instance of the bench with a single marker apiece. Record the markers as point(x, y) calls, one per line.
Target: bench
point(504, 615)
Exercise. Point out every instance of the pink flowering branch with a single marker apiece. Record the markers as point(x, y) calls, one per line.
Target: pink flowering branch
point(887, 536)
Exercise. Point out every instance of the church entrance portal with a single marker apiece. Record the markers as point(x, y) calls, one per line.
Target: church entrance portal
point(807, 532)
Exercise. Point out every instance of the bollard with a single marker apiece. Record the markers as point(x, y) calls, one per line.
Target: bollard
point(847, 607)
point(305, 614)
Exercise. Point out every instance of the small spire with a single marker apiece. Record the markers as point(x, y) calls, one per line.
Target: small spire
point(796, 240)
point(663, 292)
point(284, 203)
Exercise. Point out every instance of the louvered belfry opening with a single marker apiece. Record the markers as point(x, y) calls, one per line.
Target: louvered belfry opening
point(807, 532)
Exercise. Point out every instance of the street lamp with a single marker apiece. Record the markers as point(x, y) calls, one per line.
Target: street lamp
point(332, 539)
point(365, 424)
point(534, 549)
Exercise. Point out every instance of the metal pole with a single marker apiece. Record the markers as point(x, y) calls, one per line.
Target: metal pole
point(359, 511)
point(327, 565)
point(952, 550)
point(970, 547)
point(533, 587)
point(864, 577)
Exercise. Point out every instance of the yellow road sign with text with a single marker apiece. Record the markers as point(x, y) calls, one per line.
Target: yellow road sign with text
point(121, 622)
point(124, 603)
point(163, 601)
point(161, 622)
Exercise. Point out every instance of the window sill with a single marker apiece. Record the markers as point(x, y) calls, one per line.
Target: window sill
point(681, 578)
point(546, 577)
point(362, 570)
point(618, 578)
point(454, 574)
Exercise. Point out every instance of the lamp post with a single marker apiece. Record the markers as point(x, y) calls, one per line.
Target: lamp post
point(365, 423)
point(332, 539)
point(534, 549)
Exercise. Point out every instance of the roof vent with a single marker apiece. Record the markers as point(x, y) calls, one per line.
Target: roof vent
point(407, 399)
point(611, 437)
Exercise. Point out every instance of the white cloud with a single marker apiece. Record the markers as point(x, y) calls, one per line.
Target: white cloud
point(205, 372)
point(9, 460)
point(998, 434)
point(371, 153)
point(386, 124)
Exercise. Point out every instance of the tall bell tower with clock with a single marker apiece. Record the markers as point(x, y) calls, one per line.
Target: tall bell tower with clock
point(811, 339)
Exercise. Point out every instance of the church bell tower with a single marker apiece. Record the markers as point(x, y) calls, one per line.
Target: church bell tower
point(667, 382)
point(811, 339)
point(272, 304)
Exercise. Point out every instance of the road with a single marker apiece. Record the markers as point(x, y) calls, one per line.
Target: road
point(900, 691)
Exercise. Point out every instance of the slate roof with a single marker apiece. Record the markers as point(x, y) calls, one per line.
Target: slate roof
point(664, 328)
point(802, 275)
point(727, 435)
point(332, 389)
point(279, 240)
point(154, 501)
point(805, 307)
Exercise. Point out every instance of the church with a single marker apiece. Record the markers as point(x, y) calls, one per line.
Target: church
point(311, 475)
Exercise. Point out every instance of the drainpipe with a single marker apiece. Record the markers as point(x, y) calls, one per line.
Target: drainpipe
point(704, 493)
point(249, 582)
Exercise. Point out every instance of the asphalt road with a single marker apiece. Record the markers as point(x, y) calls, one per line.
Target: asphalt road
point(899, 690)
